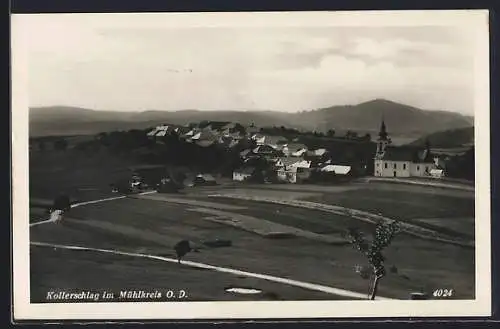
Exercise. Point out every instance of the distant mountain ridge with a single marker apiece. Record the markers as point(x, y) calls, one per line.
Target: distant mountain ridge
point(365, 117)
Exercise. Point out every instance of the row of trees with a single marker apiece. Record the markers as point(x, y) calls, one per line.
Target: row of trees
point(462, 166)
point(59, 144)
point(294, 133)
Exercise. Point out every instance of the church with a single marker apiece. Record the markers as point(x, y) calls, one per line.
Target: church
point(401, 161)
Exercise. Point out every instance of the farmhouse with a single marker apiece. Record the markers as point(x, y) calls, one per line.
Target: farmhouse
point(401, 161)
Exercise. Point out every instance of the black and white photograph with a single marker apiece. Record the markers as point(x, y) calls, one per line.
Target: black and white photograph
point(251, 165)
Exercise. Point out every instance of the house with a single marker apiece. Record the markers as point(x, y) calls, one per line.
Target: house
point(437, 173)
point(317, 157)
point(205, 138)
point(320, 152)
point(337, 169)
point(288, 167)
point(304, 164)
point(266, 150)
point(286, 162)
point(275, 141)
point(401, 161)
point(294, 149)
point(160, 131)
point(242, 174)
point(259, 139)
point(152, 132)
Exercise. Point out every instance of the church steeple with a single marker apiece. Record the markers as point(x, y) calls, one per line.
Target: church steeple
point(383, 139)
point(383, 131)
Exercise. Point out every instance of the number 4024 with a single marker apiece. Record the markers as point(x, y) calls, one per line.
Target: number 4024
point(442, 293)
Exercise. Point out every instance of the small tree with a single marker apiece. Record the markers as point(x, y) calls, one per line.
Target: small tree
point(384, 234)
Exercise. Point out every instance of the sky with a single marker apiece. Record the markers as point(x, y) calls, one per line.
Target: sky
point(143, 63)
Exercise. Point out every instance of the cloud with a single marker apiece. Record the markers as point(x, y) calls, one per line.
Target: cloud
point(108, 64)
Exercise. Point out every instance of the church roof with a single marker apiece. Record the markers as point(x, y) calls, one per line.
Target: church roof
point(406, 153)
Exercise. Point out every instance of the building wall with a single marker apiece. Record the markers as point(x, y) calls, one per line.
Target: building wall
point(288, 174)
point(421, 169)
point(303, 174)
point(240, 176)
point(384, 168)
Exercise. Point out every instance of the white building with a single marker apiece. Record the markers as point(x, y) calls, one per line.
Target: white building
point(337, 169)
point(437, 173)
point(401, 161)
point(289, 166)
point(243, 174)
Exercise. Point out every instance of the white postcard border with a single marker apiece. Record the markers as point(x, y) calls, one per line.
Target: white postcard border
point(481, 306)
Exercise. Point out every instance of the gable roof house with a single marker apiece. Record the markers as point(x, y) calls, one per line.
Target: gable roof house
point(205, 138)
point(162, 130)
point(190, 133)
point(287, 168)
point(266, 150)
point(294, 149)
point(317, 155)
point(259, 139)
point(292, 162)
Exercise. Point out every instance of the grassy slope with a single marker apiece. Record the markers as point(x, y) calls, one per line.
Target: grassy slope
point(82, 175)
point(100, 272)
point(421, 264)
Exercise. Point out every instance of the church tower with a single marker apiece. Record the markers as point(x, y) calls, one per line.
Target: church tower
point(383, 140)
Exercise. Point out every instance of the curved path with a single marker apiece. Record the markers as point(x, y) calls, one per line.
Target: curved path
point(300, 284)
point(290, 282)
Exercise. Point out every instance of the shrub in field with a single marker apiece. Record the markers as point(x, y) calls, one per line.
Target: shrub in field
point(384, 234)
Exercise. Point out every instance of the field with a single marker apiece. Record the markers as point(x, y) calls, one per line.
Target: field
point(283, 250)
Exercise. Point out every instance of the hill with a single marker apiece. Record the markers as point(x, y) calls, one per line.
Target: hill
point(399, 118)
point(452, 138)
point(402, 120)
